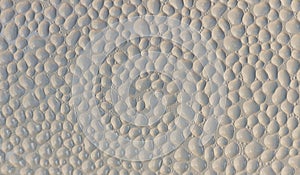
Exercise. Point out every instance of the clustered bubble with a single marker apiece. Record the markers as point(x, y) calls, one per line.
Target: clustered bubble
point(257, 43)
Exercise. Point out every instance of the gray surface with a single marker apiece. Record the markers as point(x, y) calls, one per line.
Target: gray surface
point(48, 49)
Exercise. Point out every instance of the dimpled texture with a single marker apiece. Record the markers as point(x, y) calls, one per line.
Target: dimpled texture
point(257, 42)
